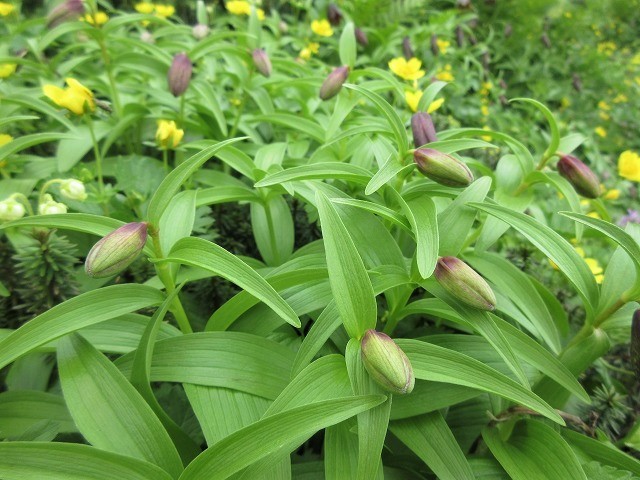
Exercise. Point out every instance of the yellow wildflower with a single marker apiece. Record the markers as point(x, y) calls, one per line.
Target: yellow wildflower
point(613, 194)
point(260, 14)
point(408, 70)
point(7, 69)
point(322, 28)
point(629, 165)
point(595, 268)
point(593, 215)
point(486, 138)
point(76, 97)
point(97, 19)
point(620, 98)
point(413, 98)
point(443, 45)
point(238, 7)
point(484, 109)
point(602, 105)
point(601, 132)
point(144, 7)
point(435, 105)
point(565, 102)
point(486, 88)
point(6, 9)
point(4, 139)
point(445, 74)
point(310, 49)
point(168, 134)
point(604, 116)
point(607, 48)
point(636, 59)
point(165, 11)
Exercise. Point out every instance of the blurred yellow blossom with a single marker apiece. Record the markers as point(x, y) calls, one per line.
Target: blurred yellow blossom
point(96, 19)
point(486, 138)
point(6, 9)
point(602, 105)
point(565, 102)
point(613, 194)
point(322, 28)
point(604, 115)
point(445, 74)
point(435, 105)
point(593, 215)
point(168, 134)
point(309, 50)
point(601, 132)
point(607, 47)
point(629, 165)
point(7, 69)
point(595, 268)
point(164, 11)
point(484, 109)
point(406, 69)
point(238, 7)
point(413, 99)
point(486, 88)
point(443, 45)
point(620, 98)
point(144, 7)
point(76, 97)
point(4, 139)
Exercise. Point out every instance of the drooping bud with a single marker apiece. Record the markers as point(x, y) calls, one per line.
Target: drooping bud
point(361, 37)
point(116, 251)
point(333, 83)
point(464, 283)
point(262, 62)
point(334, 15)
point(442, 168)
point(48, 206)
point(407, 51)
point(180, 74)
point(387, 364)
point(635, 342)
point(423, 130)
point(200, 31)
point(584, 181)
point(10, 210)
point(435, 49)
point(459, 36)
point(66, 11)
point(73, 189)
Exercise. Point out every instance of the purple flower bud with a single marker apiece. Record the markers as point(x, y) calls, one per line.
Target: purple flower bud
point(407, 51)
point(442, 168)
point(361, 37)
point(333, 82)
point(434, 45)
point(584, 181)
point(386, 363)
point(334, 15)
point(459, 36)
point(464, 283)
point(262, 62)
point(423, 130)
point(180, 74)
point(635, 342)
point(64, 12)
point(546, 41)
point(116, 251)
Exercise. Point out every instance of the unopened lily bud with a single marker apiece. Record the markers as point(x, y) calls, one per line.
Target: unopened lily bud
point(333, 83)
point(361, 37)
point(434, 45)
point(10, 210)
point(180, 74)
point(464, 283)
point(635, 342)
point(262, 62)
point(200, 31)
point(407, 50)
point(423, 130)
point(66, 11)
point(584, 181)
point(546, 41)
point(459, 36)
point(48, 206)
point(334, 15)
point(116, 251)
point(387, 364)
point(442, 168)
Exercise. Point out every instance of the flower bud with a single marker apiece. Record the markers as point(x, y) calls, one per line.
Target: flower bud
point(180, 74)
point(423, 130)
point(635, 342)
point(434, 45)
point(407, 51)
point(387, 364)
point(580, 176)
point(116, 251)
point(546, 41)
point(73, 189)
point(442, 168)
point(459, 36)
point(262, 62)
point(64, 12)
point(147, 37)
point(361, 37)
point(334, 15)
point(49, 206)
point(464, 283)
point(11, 210)
point(200, 31)
point(333, 83)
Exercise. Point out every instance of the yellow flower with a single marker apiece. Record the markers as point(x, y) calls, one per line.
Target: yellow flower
point(97, 19)
point(165, 11)
point(601, 132)
point(238, 7)
point(486, 88)
point(4, 139)
point(443, 45)
point(408, 70)
point(322, 28)
point(75, 98)
point(620, 98)
point(629, 165)
point(613, 194)
point(565, 102)
point(310, 49)
point(6, 9)
point(144, 7)
point(7, 69)
point(168, 134)
point(445, 74)
point(484, 110)
point(607, 48)
point(435, 105)
point(604, 116)
point(486, 138)
point(413, 98)
point(593, 215)
point(602, 105)
point(595, 268)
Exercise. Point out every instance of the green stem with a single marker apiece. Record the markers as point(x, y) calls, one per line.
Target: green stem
point(165, 159)
point(109, 69)
point(97, 155)
point(45, 187)
point(181, 117)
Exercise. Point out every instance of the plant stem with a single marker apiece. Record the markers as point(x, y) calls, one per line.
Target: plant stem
point(97, 155)
point(109, 69)
point(165, 159)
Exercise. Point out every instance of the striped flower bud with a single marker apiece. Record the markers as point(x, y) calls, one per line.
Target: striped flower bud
point(333, 83)
point(442, 168)
point(407, 51)
point(262, 62)
point(116, 251)
point(584, 181)
point(334, 15)
point(423, 130)
point(387, 364)
point(464, 283)
point(66, 11)
point(459, 36)
point(180, 74)
point(361, 37)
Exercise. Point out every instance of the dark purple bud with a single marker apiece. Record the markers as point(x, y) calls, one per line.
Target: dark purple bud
point(334, 15)
point(262, 62)
point(333, 83)
point(361, 37)
point(459, 36)
point(576, 82)
point(407, 51)
point(434, 45)
point(464, 283)
point(66, 11)
point(584, 181)
point(508, 30)
point(423, 130)
point(635, 342)
point(546, 41)
point(442, 168)
point(180, 74)
point(116, 251)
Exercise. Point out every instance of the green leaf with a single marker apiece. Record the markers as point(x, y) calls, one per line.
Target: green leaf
point(259, 439)
point(430, 438)
point(604, 453)
point(207, 94)
point(429, 95)
point(348, 277)
point(554, 142)
point(26, 141)
point(201, 253)
point(69, 461)
point(177, 220)
point(387, 172)
point(172, 182)
point(273, 230)
point(347, 47)
point(20, 410)
point(108, 410)
point(315, 171)
point(294, 122)
point(534, 450)
point(340, 451)
point(224, 194)
point(421, 214)
point(380, 210)
point(87, 309)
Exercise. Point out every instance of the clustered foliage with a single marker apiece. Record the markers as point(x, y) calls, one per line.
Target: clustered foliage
point(351, 240)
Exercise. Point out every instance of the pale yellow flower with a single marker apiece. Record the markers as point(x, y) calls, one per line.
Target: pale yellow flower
point(602, 105)
point(76, 97)
point(620, 98)
point(6, 9)
point(322, 28)
point(435, 105)
point(168, 134)
point(97, 19)
point(445, 75)
point(604, 116)
point(486, 138)
point(7, 69)
point(484, 109)
point(165, 11)
point(443, 45)
point(600, 131)
point(408, 70)
point(613, 194)
point(486, 88)
point(4, 139)
point(238, 7)
point(309, 50)
point(595, 268)
point(144, 7)
point(629, 165)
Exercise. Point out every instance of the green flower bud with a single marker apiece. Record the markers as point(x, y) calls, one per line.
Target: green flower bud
point(464, 283)
point(116, 251)
point(580, 176)
point(333, 83)
point(387, 364)
point(73, 189)
point(442, 168)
